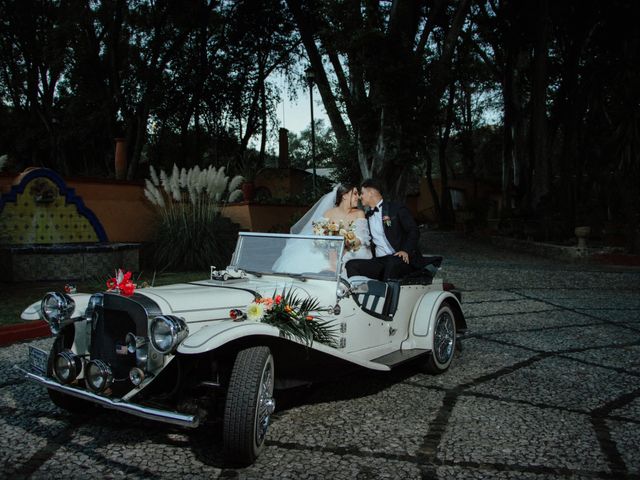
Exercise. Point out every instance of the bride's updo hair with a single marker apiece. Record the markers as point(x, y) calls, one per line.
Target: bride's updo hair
point(342, 189)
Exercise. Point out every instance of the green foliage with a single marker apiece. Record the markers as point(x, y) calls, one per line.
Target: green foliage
point(190, 233)
point(347, 169)
point(300, 147)
point(292, 315)
point(180, 77)
point(192, 236)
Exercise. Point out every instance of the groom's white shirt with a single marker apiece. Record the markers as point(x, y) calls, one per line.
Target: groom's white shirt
point(383, 247)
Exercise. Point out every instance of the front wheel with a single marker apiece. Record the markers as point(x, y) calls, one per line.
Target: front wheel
point(444, 341)
point(249, 405)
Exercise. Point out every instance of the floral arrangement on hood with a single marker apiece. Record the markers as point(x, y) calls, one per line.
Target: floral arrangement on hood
point(292, 315)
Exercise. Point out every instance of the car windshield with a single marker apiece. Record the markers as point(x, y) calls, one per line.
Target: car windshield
point(296, 255)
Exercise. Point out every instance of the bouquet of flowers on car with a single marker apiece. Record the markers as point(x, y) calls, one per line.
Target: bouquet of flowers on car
point(341, 228)
point(121, 283)
point(291, 315)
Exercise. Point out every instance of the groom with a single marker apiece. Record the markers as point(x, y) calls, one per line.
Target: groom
point(394, 238)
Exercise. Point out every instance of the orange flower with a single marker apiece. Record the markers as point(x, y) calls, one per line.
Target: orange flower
point(288, 309)
point(308, 318)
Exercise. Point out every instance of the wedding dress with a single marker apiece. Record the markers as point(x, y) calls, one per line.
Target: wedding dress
point(303, 256)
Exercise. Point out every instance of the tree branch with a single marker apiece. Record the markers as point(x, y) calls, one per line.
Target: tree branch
point(328, 99)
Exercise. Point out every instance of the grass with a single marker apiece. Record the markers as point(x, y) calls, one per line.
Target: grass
point(15, 297)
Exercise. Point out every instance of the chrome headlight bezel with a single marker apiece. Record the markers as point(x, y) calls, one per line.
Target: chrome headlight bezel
point(69, 360)
point(139, 346)
point(102, 371)
point(56, 309)
point(166, 332)
point(96, 300)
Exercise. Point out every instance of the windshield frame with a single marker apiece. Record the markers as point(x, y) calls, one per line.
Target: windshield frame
point(286, 236)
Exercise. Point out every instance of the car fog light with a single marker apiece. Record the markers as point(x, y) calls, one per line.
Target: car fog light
point(57, 308)
point(167, 331)
point(134, 342)
point(98, 376)
point(136, 376)
point(67, 366)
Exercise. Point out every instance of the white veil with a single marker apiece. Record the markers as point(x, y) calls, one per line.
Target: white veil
point(304, 226)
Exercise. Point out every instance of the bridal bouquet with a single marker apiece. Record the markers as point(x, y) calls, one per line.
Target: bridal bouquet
point(328, 227)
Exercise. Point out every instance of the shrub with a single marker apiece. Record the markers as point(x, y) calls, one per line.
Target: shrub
point(190, 233)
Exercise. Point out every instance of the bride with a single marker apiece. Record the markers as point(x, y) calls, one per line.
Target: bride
point(339, 205)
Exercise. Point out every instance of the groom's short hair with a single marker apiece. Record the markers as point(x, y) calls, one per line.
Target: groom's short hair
point(372, 183)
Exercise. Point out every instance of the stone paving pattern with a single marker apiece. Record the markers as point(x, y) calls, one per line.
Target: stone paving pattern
point(546, 387)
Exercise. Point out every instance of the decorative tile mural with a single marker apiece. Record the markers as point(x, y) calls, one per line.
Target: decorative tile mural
point(42, 210)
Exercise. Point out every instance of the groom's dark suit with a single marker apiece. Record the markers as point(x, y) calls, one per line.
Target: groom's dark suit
point(402, 233)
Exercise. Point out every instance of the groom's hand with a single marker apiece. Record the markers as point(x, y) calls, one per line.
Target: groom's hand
point(403, 255)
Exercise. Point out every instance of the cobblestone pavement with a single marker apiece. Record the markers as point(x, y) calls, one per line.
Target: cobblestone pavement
point(546, 387)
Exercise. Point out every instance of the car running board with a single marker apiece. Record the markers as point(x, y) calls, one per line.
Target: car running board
point(396, 358)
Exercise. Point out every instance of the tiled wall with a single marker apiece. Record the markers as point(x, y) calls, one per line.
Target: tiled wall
point(41, 215)
point(79, 265)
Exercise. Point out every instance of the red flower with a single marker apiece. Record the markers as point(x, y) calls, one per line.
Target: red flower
point(127, 288)
point(278, 299)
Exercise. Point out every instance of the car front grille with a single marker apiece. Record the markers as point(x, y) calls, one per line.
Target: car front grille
point(117, 317)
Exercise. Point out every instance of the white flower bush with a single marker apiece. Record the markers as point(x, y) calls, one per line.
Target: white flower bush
point(188, 203)
point(210, 186)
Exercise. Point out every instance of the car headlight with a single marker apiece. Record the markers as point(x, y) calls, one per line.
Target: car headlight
point(67, 366)
point(57, 308)
point(167, 331)
point(98, 376)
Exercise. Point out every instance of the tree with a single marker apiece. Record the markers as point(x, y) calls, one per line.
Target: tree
point(390, 64)
point(300, 147)
point(33, 53)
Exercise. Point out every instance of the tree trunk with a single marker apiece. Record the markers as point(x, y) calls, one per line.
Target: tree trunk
point(263, 119)
point(540, 180)
point(447, 219)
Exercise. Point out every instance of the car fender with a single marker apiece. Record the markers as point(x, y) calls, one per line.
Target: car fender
point(215, 335)
point(423, 319)
point(34, 312)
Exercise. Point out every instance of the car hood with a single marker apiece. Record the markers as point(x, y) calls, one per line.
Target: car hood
point(196, 302)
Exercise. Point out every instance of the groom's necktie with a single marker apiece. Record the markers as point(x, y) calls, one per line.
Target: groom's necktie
point(372, 211)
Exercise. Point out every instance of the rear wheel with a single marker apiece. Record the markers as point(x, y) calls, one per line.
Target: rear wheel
point(249, 405)
point(444, 341)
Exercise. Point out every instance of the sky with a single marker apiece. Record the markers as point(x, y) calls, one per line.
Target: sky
point(295, 115)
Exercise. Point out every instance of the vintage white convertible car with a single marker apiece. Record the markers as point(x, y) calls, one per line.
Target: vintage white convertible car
point(219, 347)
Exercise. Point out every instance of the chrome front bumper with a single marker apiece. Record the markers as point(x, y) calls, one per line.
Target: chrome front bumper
point(173, 418)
